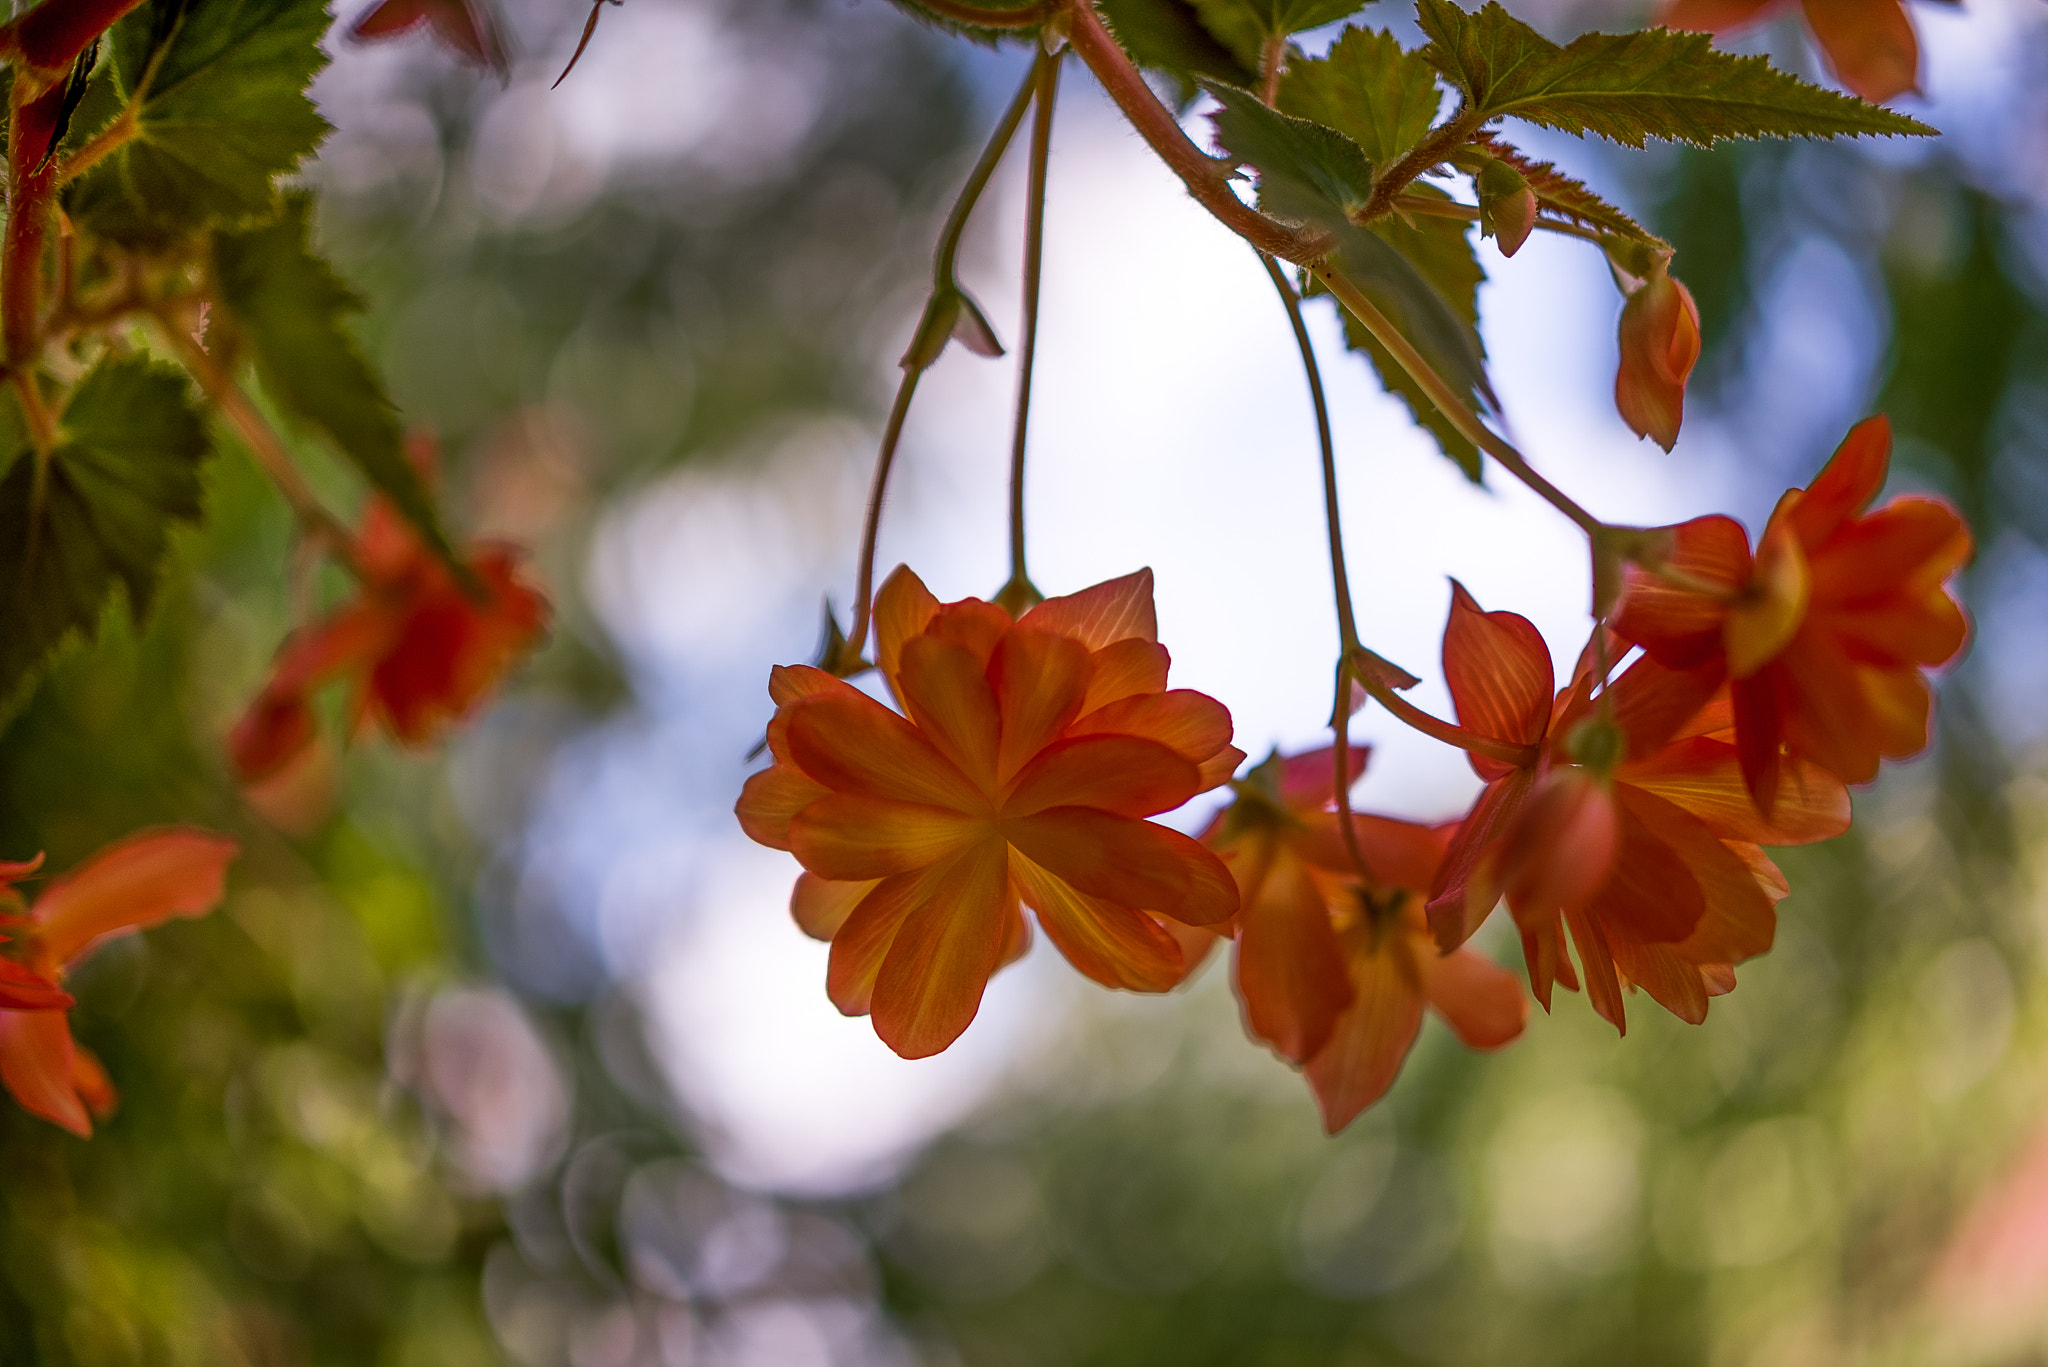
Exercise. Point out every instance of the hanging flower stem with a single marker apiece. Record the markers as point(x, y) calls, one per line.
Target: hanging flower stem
point(1020, 593)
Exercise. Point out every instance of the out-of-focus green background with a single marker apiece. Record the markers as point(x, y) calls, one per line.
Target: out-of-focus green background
point(459, 1074)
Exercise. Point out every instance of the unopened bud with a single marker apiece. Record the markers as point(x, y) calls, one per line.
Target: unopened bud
point(1507, 206)
point(1660, 344)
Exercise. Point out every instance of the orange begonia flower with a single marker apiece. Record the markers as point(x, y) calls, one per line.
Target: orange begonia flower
point(130, 885)
point(1027, 755)
point(1660, 344)
point(1869, 44)
point(420, 650)
point(1629, 825)
point(1824, 632)
point(1333, 975)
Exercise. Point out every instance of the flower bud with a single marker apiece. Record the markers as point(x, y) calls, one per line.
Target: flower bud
point(1507, 206)
point(1660, 343)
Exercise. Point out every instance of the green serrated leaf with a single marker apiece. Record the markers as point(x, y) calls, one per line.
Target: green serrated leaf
point(99, 514)
point(1307, 172)
point(290, 307)
point(1557, 193)
point(1368, 89)
point(1168, 36)
point(219, 88)
point(1246, 26)
point(1440, 251)
point(1630, 87)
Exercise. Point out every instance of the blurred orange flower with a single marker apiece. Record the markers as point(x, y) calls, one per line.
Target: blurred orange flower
point(1630, 825)
point(1333, 975)
point(419, 649)
point(132, 884)
point(1026, 756)
point(1869, 44)
point(1660, 344)
point(1824, 632)
point(468, 26)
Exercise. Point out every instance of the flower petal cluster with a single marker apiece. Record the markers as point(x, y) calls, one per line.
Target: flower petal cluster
point(1020, 770)
point(1660, 344)
point(1629, 825)
point(137, 882)
point(1825, 630)
point(1332, 972)
point(420, 648)
point(1870, 44)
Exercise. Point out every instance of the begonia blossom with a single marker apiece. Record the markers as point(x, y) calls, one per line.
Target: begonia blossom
point(1020, 770)
point(1659, 345)
point(1869, 44)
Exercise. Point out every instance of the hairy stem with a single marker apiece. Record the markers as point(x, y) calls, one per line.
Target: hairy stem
point(31, 178)
point(948, 253)
point(1272, 57)
point(1441, 142)
point(104, 143)
point(1020, 587)
point(1204, 175)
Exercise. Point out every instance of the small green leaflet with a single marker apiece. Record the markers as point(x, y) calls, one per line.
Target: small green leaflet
point(1633, 86)
point(1307, 172)
point(1557, 193)
point(1168, 36)
point(125, 471)
point(1245, 26)
point(290, 307)
point(223, 112)
point(1368, 89)
point(1440, 250)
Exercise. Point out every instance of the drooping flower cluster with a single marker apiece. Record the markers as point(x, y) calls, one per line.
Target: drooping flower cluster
point(1622, 821)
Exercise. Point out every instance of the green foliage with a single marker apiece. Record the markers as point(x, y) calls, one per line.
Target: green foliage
point(97, 511)
point(1367, 88)
point(1307, 172)
point(1440, 251)
point(979, 33)
point(1634, 86)
point(1168, 36)
point(1246, 26)
point(291, 308)
point(219, 89)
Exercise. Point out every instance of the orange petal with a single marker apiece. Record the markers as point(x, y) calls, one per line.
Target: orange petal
point(1017, 940)
point(771, 799)
point(1465, 891)
point(1682, 626)
point(947, 695)
point(1704, 777)
point(1120, 774)
point(1308, 781)
point(1654, 893)
point(1114, 610)
point(390, 17)
point(903, 609)
point(1652, 702)
point(1481, 1001)
point(1603, 986)
point(89, 1079)
point(1132, 863)
point(850, 838)
point(1499, 674)
point(1291, 974)
point(1762, 621)
point(948, 944)
point(1743, 891)
point(820, 907)
point(863, 939)
point(1040, 680)
point(36, 1065)
point(1191, 724)
point(1561, 846)
point(1659, 345)
point(851, 743)
point(1869, 43)
point(978, 626)
point(1543, 953)
point(1371, 1038)
point(133, 883)
point(24, 989)
point(1830, 711)
point(276, 728)
point(1114, 945)
point(787, 683)
point(1846, 484)
point(1909, 546)
point(1124, 668)
point(1759, 706)
point(1218, 768)
point(1400, 854)
point(1660, 971)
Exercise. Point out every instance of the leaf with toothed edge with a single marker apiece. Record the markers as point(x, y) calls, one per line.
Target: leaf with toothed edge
point(1168, 36)
point(1556, 192)
point(1630, 87)
point(1246, 26)
point(1367, 88)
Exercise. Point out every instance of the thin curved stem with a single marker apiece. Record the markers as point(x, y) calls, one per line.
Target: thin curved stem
point(885, 460)
point(948, 252)
point(1431, 207)
point(1436, 728)
point(1048, 84)
point(1340, 730)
